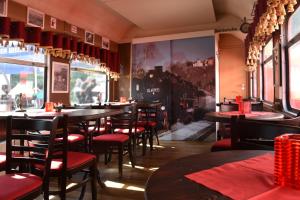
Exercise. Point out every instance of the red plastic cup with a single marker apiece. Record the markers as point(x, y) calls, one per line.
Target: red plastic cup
point(241, 107)
point(247, 107)
point(238, 99)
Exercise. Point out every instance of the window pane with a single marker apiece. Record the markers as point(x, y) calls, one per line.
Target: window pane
point(293, 25)
point(294, 74)
point(17, 79)
point(87, 87)
point(254, 84)
point(21, 54)
point(268, 81)
point(268, 50)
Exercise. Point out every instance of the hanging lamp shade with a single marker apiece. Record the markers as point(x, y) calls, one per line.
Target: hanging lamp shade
point(92, 51)
point(17, 31)
point(80, 48)
point(67, 43)
point(33, 35)
point(47, 39)
point(86, 50)
point(58, 42)
point(4, 27)
point(73, 45)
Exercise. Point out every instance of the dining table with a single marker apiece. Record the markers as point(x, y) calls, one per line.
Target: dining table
point(170, 181)
point(74, 115)
point(225, 117)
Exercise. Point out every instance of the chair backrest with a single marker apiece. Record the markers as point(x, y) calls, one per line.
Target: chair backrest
point(126, 120)
point(225, 107)
point(257, 106)
point(257, 134)
point(36, 141)
point(148, 113)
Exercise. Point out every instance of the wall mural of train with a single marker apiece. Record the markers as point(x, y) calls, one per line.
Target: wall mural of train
point(178, 73)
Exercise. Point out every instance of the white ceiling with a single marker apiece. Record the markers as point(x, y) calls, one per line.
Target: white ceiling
point(122, 20)
point(160, 14)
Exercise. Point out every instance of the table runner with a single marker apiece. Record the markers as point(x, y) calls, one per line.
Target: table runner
point(248, 179)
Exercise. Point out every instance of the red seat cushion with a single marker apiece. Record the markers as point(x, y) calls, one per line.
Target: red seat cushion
point(126, 130)
point(2, 160)
point(14, 186)
point(221, 145)
point(111, 138)
point(74, 160)
point(145, 123)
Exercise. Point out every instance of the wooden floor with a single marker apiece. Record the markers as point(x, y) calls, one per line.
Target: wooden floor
point(131, 186)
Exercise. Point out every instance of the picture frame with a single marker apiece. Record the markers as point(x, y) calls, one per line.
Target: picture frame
point(3, 8)
point(105, 43)
point(35, 18)
point(53, 22)
point(60, 77)
point(89, 37)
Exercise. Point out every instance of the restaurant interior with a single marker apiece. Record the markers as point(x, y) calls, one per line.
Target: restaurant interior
point(138, 99)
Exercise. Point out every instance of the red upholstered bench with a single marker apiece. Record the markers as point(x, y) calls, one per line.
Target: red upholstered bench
point(221, 145)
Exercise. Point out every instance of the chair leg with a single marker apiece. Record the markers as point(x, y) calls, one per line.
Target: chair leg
point(93, 176)
point(131, 155)
point(83, 187)
point(151, 139)
point(98, 173)
point(156, 135)
point(120, 147)
point(63, 185)
point(144, 140)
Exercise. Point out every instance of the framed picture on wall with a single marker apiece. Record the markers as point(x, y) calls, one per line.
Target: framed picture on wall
point(3, 8)
point(89, 38)
point(105, 43)
point(35, 18)
point(60, 77)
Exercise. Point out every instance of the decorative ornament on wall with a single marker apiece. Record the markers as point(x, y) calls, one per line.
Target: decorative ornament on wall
point(89, 37)
point(3, 8)
point(244, 28)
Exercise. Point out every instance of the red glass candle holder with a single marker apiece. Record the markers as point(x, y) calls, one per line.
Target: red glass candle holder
point(241, 107)
point(247, 107)
point(49, 106)
point(287, 160)
point(238, 99)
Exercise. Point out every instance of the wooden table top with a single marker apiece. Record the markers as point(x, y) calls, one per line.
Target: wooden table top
point(168, 182)
point(74, 115)
point(256, 115)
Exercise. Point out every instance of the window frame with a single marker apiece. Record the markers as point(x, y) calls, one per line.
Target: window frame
point(85, 70)
point(262, 64)
point(286, 46)
point(31, 64)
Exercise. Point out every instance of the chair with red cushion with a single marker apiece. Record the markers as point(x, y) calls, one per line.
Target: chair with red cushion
point(104, 143)
point(19, 182)
point(147, 118)
point(67, 163)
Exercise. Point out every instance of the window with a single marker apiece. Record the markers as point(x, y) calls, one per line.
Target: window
point(293, 49)
point(88, 83)
point(253, 84)
point(22, 77)
point(268, 72)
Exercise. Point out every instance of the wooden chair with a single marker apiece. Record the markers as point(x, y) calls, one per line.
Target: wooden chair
point(224, 128)
point(115, 139)
point(148, 118)
point(64, 163)
point(16, 184)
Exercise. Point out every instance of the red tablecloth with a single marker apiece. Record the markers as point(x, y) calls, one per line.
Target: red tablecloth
point(251, 178)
